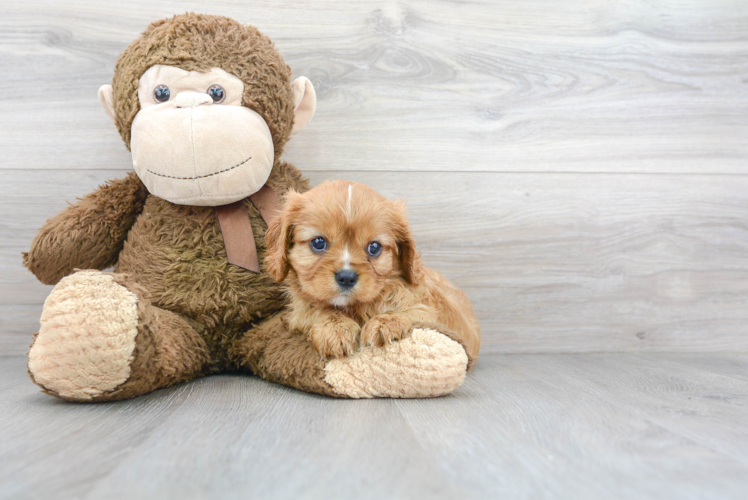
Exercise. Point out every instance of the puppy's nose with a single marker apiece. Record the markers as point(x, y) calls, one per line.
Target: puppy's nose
point(346, 278)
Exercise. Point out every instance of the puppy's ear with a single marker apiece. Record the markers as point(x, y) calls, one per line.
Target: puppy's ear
point(277, 238)
point(410, 259)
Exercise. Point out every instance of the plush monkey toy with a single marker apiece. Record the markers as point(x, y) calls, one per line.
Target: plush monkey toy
point(205, 104)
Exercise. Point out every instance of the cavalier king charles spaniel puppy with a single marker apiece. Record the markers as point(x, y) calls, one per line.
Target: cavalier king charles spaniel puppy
point(354, 276)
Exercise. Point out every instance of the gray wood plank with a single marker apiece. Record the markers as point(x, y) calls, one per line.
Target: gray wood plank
point(50, 448)
point(17, 324)
point(676, 396)
point(534, 426)
point(578, 169)
point(481, 86)
point(553, 263)
point(278, 443)
point(728, 364)
point(522, 426)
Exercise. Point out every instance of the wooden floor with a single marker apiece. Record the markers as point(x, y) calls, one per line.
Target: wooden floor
point(581, 426)
point(579, 168)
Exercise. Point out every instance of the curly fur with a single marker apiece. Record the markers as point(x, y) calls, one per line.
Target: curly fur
point(394, 289)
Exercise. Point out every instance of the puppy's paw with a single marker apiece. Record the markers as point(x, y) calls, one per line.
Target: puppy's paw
point(335, 338)
point(383, 329)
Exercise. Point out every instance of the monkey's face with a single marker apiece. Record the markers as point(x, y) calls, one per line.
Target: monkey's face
point(205, 103)
point(193, 143)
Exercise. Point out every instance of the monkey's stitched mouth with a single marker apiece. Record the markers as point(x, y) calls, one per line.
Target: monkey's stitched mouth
point(200, 176)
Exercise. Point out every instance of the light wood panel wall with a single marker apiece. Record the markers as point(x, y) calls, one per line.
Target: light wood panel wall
point(579, 168)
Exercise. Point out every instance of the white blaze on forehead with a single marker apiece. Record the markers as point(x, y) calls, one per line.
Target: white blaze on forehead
point(346, 258)
point(349, 211)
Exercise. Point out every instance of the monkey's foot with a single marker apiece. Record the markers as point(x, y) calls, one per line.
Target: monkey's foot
point(85, 344)
point(425, 364)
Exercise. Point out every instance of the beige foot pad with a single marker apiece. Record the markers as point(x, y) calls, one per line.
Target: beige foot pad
point(426, 364)
point(87, 336)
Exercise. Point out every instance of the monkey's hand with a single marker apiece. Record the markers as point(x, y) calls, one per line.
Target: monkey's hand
point(335, 336)
point(89, 234)
point(426, 363)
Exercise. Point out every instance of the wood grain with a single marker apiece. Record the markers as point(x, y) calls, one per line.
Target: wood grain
point(584, 426)
point(579, 168)
point(541, 86)
point(552, 262)
point(589, 426)
point(733, 366)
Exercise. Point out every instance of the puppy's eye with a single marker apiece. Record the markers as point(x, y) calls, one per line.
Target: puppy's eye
point(374, 249)
point(217, 93)
point(161, 93)
point(318, 244)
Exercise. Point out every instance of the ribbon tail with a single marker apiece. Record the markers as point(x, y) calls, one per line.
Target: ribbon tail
point(267, 203)
point(237, 236)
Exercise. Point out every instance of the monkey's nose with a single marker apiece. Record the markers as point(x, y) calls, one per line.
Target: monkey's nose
point(191, 99)
point(346, 278)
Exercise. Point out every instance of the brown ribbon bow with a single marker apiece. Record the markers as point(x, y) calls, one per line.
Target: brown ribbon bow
point(237, 228)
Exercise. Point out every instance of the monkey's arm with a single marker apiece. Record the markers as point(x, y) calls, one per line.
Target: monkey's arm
point(88, 234)
point(426, 363)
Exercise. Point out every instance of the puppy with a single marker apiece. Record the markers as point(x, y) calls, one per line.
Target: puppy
point(353, 274)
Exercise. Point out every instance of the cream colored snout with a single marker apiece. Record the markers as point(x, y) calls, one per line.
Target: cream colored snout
point(187, 99)
point(190, 150)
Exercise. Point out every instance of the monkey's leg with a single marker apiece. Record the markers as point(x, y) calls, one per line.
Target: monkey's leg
point(426, 363)
point(102, 340)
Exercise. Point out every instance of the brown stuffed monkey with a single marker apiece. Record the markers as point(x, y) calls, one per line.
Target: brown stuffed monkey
point(205, 104)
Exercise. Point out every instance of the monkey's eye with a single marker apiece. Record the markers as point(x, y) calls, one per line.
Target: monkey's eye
point(374, 249)
point(318, 244)
point(162, 93)
point(217, 93)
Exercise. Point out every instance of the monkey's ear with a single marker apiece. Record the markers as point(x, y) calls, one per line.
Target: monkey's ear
point(106, 98)
point(305, 102)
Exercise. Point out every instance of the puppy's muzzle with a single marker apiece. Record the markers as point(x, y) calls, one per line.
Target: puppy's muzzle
point(346, 279)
